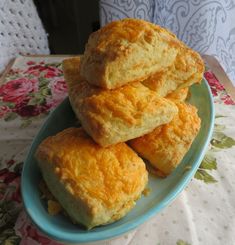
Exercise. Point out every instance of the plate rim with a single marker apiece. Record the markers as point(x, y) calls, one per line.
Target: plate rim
point(135, 222)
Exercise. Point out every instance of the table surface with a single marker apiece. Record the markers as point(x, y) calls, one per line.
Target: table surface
point(204, 213)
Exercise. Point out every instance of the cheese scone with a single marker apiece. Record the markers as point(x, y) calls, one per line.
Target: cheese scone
point(166, 146)
point(113, 116)
point(187, 69)
point(180, 94)
point(71, 68)
point(94, 185)
point(127, 50)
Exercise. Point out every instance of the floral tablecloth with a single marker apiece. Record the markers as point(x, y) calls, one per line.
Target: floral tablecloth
point(204, 213)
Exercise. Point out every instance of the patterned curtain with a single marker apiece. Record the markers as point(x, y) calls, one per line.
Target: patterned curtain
point(207, 26)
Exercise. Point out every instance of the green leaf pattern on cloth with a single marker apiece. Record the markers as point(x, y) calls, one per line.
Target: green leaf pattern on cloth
point(219, 139)
point(218, 142)
point(209, 162)
point(8, 237)
point(181, 242)
point(201, 174)
point(32, 91)
point(222, 141)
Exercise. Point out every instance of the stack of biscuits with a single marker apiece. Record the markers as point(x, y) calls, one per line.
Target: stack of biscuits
point(128, 91)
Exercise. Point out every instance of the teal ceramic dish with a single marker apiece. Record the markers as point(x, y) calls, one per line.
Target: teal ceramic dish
point(163, 191)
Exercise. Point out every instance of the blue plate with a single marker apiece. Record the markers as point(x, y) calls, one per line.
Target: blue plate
point(163, 191)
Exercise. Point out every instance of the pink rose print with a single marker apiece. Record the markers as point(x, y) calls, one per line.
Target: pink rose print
point(214, 83)
point(6, 176)
point(218, 89)
point(48, 71)
point(52, 72)
point(17, 90)
point(25, 110)
point(58, 90)
point(31, 62)
point(14, 72)
point(4, 110)
point(10, 162)
point(227, 100)
point(11, 182)
point(29, 234)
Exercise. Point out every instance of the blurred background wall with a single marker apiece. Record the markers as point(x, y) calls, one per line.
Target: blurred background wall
point(68, 23)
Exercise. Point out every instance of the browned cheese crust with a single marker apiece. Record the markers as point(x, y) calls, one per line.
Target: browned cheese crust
point(113, 116)
point(94, 185)
point(166, 146)
point(187, 69)
point(126, 51)
point(180, 94)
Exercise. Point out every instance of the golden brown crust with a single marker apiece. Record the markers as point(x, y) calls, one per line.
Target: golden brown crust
point(180, 94)
point(118, 115)
point(71, 67)
point(165, 147)
point(126, 51)
point(102, 182)
point(187, 69)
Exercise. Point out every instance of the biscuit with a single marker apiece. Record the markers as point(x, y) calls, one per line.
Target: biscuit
point(94, 185)
point(113, 116)
point(180, 94)
point(127, 50)
point(166, 146)
point(187, 69)
point(71, 68)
